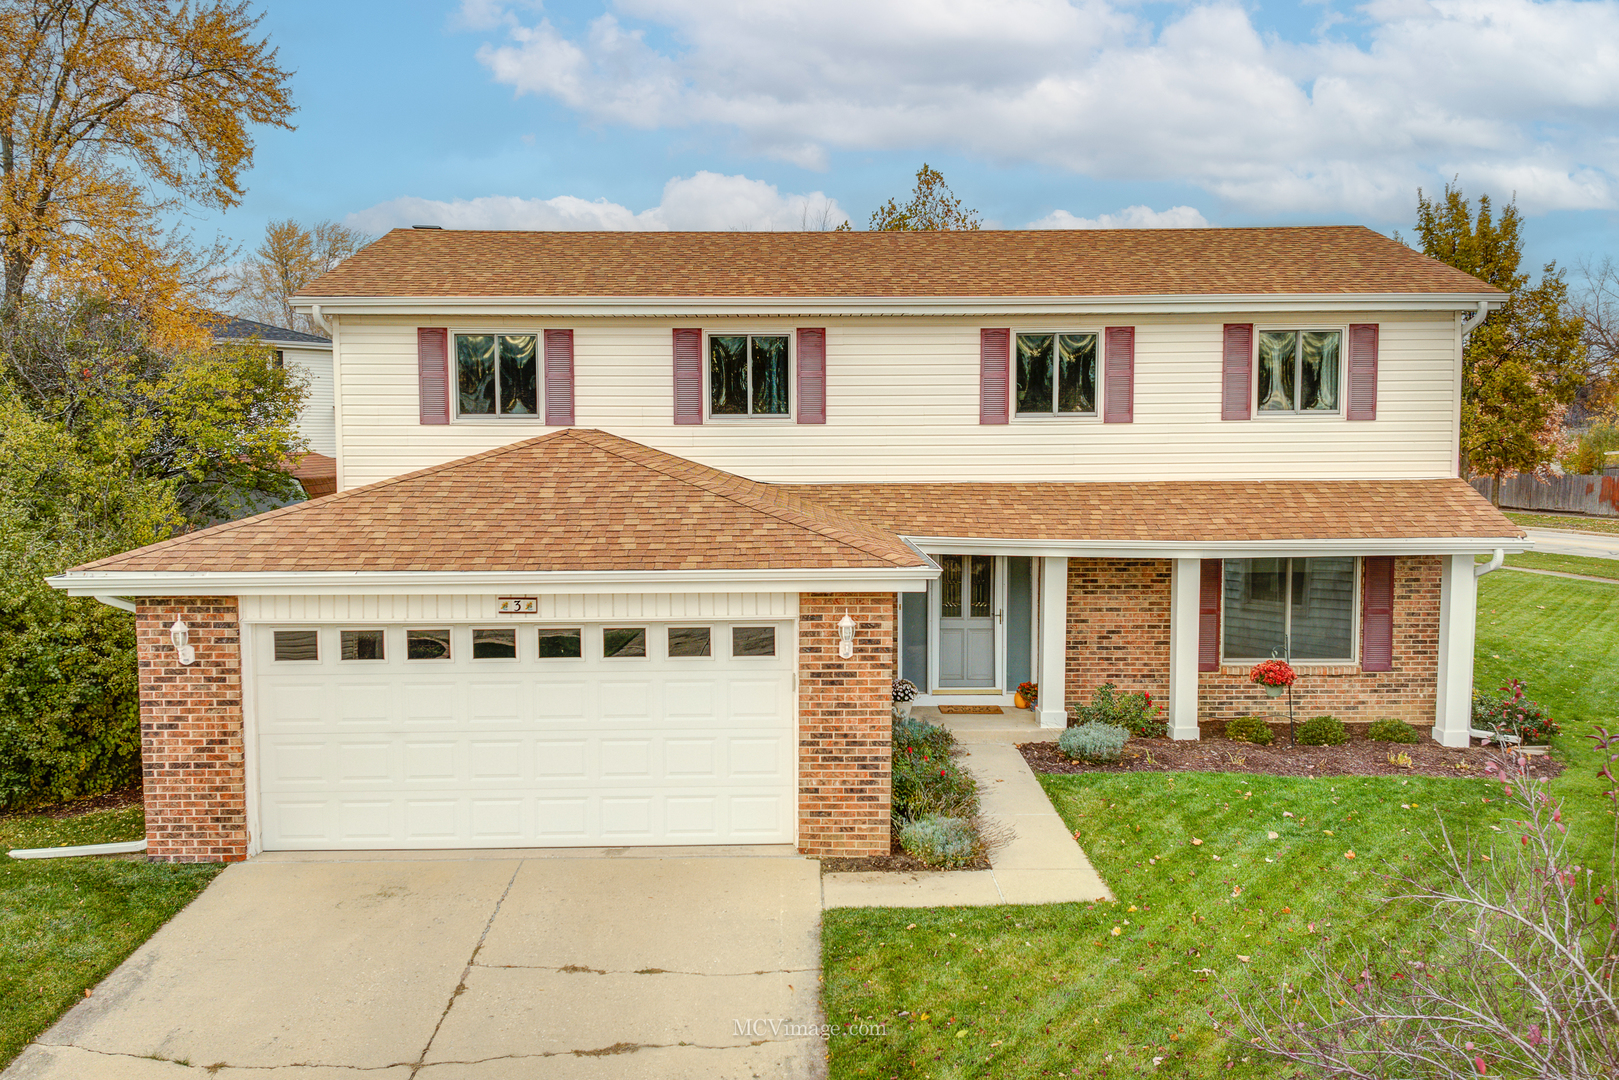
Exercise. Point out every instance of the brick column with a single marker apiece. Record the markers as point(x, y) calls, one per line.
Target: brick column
point(844, 734)
point(191, 731)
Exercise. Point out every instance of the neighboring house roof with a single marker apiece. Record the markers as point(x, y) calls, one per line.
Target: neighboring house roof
point(574, 500)
point(1312, 260)
point(230, 328)
point(317, 473)
point(1190, 512)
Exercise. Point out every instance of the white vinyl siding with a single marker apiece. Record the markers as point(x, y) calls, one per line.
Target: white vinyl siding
point(902, 405)
point(317, 422)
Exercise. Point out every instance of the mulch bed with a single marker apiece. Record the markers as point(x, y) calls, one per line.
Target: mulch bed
point(895, 862)
point(112, 800)
point(1359, 757)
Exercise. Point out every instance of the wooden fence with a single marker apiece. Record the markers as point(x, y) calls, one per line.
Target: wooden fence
point(1591, 494)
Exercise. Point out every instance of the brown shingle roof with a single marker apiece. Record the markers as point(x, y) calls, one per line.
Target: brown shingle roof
point(1011, 263)
point(1192, 512)
point(570, 500)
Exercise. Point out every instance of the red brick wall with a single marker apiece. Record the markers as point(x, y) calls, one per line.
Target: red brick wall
point(844, 711)
point(1118, 626)
point(191, 732)
point(1406, 693)
point(1118, 631)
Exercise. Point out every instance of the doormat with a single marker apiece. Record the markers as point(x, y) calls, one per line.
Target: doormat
point(987, 710)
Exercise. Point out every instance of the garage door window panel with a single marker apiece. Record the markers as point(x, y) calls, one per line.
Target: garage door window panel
point(427, 645)
point(297, 646)
point(561, 643)
point(748, 641)
point(500, 644)
point(690, 642)
point(624, 643)
point(362, 645)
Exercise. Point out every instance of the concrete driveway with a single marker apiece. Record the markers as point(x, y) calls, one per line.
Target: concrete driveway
point(465, 967)
point(1568, 542)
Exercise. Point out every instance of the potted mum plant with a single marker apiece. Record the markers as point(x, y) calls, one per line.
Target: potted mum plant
point(1028, 694)
point(1274, 675)
point(904, 692)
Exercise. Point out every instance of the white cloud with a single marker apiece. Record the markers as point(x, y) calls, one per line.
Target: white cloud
point(704, 201)
point(1525, 91)
point(1131, 217)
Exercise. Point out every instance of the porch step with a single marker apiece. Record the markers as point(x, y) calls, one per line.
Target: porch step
point(1011, 726)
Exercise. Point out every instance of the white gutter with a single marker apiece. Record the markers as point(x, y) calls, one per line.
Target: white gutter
point(1495, 562)
point(483, 583)
point(125, 847)
point(1470, 323)
point(1224, 549)
point(989, 306)
point(111, 601)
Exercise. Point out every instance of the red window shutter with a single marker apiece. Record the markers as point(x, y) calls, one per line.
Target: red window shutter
point(433, 374)
point(994, 371)
point(688, 376)
point(1363, 372)
point(559, 377)
point(1119, 390)
point(1236, 372)
point(1377, 615)
point(811, 376)
point(1208, 615)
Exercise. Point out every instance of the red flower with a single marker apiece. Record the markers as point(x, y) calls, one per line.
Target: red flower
point(1273, 673)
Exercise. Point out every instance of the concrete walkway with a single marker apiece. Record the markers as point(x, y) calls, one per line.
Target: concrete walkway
point(1042, 864)
point(466, 966)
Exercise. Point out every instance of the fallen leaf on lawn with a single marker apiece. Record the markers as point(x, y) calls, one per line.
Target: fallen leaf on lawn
point(1243, 958)
point(1273, 835)
point(997, 1042)
point(911, 927)
point(1196, 842)
point(962, 1034)
point(1287, 813)
point(1132, 907)
point(1327, 831)
point(1236, 890)
point(1351, 855)
point(1287, 911)
point(1116, 931)
point(1216, 858)
point(1269, 859)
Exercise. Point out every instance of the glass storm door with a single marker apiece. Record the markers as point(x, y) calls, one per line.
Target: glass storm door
point(967, 621)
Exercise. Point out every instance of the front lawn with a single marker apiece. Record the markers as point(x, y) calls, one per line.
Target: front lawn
point(1565, 521)
point(66, 923)
point(1567, 564)
point(1054, 990)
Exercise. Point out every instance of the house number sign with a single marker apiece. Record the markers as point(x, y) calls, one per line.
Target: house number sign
point(519, 605)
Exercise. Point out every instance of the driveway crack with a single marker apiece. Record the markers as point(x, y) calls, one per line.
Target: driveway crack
point(575, 969)
point(461, 987)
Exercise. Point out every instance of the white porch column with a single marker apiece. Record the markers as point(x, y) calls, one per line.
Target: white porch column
point(1053, 643)
point(1184, 603)
point(1458, 622)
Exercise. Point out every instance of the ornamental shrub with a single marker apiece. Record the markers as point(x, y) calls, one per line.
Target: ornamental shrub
point(1323, 731)
point(1391, 730)
point(1509, 712)
point(938, 840)
point(1093, 742)
point(1136, 712)
point(1249, 729)
point(926, 777)
point(913, 734)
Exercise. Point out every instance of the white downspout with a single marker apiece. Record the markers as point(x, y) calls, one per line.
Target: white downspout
point(1469, 324)
point(115, 601)
point(121, 847)
point(1480, 569)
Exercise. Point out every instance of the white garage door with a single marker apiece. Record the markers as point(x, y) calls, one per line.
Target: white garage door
point(440, 736)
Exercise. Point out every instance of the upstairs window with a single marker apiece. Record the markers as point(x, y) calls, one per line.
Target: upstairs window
point(747, 375)
point(1056, 374)
point(496, 375)
point(1299, 371)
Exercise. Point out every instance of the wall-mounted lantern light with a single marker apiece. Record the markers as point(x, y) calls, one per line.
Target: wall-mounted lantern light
point(846, 637)
point(181, 636)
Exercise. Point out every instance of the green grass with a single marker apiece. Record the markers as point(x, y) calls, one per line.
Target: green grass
point(66, 923)
point(1568, 564)
point(1058, 991)
point(1560, 521)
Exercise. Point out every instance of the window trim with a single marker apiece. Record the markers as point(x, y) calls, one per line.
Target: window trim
point(454, 375)
point(1045, 418)
point(1260, 330)
point(1287, 608)
point(750, 417)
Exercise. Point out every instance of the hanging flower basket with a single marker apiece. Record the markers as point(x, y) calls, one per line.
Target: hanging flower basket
point(1274, 675)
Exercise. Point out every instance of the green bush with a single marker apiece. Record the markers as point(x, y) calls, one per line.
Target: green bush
point(1593, 446)
point(1135, 712)
point(1249, 729)
point(938, 840)
point(1093, 742)
point(926, 777)
point(1391, 730)
point(1323, 731)
point(1510, 712)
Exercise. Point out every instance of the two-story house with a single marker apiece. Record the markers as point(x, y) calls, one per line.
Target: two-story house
point(634, 530)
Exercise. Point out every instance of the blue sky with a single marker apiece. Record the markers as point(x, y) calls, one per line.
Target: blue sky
point(710, 114)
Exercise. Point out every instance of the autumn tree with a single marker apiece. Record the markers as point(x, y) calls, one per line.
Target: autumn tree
point(290, 257)
point(1598, 305)
point(933, 206)
point(1524, 364)
point(112, 114)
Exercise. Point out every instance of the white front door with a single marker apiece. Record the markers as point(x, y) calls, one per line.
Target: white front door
point(967, 598)
point(442, 736)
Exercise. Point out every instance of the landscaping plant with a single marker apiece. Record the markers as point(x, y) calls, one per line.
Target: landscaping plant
point(1516, 977)
point(945, 842)
point(1323, 731)
point(1273, 673)
point(1249, 729)
point(904, 690)
point(1093, 742)
point(926, 777)
point(1510, 712)
point(1391, 730)
point(1134, 712)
